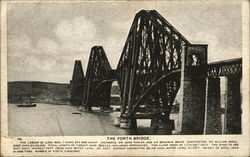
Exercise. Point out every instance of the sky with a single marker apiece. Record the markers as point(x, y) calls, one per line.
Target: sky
point(45, 38)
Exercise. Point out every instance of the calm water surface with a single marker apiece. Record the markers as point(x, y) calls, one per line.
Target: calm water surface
point(58, 120)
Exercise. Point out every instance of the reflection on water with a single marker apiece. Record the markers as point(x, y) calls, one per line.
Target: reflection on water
point(58, 120)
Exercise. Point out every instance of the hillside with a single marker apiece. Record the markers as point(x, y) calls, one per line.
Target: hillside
point(44, 92)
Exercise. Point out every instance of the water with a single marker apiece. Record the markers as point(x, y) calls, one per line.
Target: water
point(58, 120)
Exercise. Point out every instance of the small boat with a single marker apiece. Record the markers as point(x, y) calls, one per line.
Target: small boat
point(76, 113)
point(27, 104)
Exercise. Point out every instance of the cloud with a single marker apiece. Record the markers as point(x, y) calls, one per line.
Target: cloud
point(47, 46)
point(19, 46)
point(204, 38)
point(27, 62)
point(34, 63)
point(75, 33)
point(207, 38)
point(218, 49)
point(73, 40)
point(113, 47)
point(123, 26)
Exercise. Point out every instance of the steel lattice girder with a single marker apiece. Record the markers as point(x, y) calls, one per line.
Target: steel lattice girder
point(77, 84)
point(98, 80)
point(152, 50)
point(225, 68)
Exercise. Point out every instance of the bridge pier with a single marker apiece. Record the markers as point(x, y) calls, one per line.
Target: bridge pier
point(105, 106)
point(158, 125)
point(233, 105)
point(128, 123)
point(193, 110)
point(213, 107)
point(193, 82)
point(162, 123)
point(167, 125)
point(154, 123)
point(87, 108)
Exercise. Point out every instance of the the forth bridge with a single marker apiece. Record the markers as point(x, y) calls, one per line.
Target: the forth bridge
point(156, 62)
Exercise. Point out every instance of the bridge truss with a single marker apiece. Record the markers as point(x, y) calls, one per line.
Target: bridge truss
point(149, 68)
point(99, 77)
point(225, 68)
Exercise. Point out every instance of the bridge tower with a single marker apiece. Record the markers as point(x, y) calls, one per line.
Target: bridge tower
point(98, 80)
point(76, 86)
point(148, 71)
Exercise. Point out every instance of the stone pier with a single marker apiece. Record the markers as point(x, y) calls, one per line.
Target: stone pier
point(233, 105)
point(213, 107)
point(193, 82)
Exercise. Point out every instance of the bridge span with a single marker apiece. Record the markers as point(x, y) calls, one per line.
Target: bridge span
point(156, 63)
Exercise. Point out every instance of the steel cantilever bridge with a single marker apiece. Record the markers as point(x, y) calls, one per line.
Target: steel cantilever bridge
point(155, 61)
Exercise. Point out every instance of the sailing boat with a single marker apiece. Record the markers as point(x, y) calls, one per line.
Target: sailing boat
point(27, 104)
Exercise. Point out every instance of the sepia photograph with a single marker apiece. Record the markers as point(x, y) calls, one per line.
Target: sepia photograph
point(125, 68)
point(101, 69)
